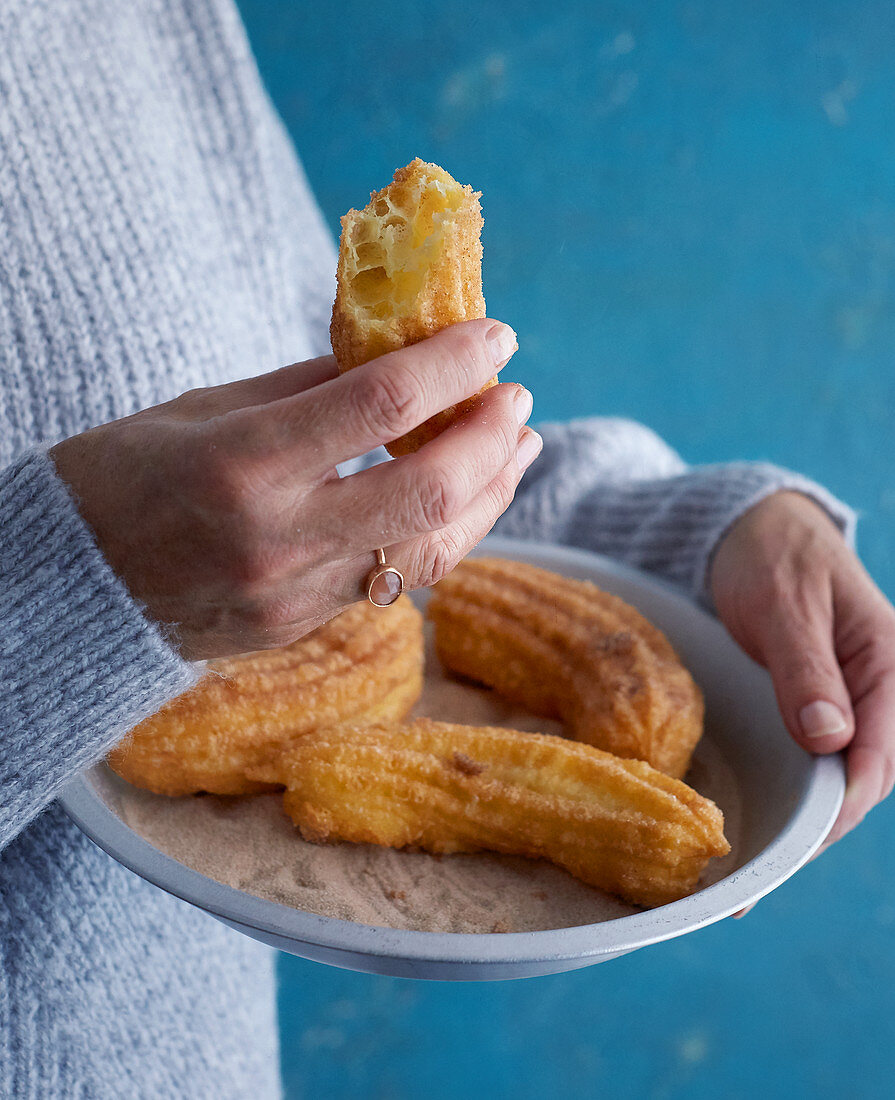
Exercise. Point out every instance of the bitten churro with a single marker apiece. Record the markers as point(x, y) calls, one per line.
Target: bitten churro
point(565, 649)
point(616, 824)
point(365, 665)
point(410, 263)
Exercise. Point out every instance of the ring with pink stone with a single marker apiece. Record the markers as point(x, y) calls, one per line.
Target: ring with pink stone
point(384, 583)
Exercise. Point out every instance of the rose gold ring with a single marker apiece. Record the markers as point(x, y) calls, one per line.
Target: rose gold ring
point(384, 583)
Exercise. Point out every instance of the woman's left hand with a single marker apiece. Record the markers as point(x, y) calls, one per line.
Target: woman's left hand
point(796, 598)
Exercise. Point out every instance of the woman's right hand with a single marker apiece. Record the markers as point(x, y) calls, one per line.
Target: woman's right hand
point(223, 513)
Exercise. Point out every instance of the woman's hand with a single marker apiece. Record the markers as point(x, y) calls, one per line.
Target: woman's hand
point(223, 513)
point(796, 598)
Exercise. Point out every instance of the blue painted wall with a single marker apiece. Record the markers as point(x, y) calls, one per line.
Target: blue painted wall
point(690, 219)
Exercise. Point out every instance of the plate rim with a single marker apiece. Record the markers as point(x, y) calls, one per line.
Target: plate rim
point(814, 813)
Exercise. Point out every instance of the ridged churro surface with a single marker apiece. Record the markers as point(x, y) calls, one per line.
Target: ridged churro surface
point(619, 825)
point(364, 665)
point(410, 263)
point(565, 649)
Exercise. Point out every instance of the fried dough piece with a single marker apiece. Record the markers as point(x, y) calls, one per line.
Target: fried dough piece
point(365, 665)
point(565, 649)
point(616, 824)
point(410, 263)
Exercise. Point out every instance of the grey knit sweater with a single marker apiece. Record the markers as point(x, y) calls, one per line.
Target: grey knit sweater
point(157, 234)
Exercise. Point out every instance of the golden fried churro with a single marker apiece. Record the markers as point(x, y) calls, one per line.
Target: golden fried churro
point(410, 263)
point(565, 649)
point(364, 665)
point(616, 824)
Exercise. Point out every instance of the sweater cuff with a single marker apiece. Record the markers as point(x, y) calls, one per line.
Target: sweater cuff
point(80, 664)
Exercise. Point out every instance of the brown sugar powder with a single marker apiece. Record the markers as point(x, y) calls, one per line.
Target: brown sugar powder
point(250, 844)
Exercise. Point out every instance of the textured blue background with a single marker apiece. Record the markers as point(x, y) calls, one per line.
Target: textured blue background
point(690, 220)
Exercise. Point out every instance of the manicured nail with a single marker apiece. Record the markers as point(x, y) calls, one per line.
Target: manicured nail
point(523, 402)
point(821, 719)
point(528, 448)
point(502, 343)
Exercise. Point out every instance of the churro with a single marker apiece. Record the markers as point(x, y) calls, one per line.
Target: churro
point(616, 824)
point(410, 263)
point(365, 665)
point(565, 649)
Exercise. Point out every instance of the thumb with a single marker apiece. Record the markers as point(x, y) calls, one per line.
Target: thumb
point(799, 653)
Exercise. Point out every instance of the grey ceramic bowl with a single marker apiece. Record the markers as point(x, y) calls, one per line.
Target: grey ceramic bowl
point(790, 800)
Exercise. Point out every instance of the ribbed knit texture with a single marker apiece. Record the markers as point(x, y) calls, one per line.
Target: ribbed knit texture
point(65, 616)
point(614, 486)
point(156, 234)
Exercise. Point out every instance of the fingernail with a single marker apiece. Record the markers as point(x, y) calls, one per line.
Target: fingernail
point(523, 402)
point(502, 343)
point(821, 719)
point(528, 448)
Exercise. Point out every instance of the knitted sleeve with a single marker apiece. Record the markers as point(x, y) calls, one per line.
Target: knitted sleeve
point(79, 663)
point(613, 486)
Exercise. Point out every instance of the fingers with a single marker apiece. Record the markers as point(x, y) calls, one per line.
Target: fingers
point(798, 600)
point(868, 653)
point(381, 400)
point(425, 491)
point(278, 384)
point(799, 652)
point(426, 559)
point(260, 390)
point(869, 771)
point(326, 587)
point(869, 781)
point(773, 587)
point(431, 557)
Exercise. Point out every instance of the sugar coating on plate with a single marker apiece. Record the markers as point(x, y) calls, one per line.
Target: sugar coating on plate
point(617, 824)
point(410, 263)
point(319, 717)
point(251, 845)
point(566, 649)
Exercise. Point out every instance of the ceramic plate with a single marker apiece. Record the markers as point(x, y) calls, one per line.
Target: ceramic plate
point(788, 801)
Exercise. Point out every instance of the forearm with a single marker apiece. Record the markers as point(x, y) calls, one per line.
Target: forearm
point(79, 662)
point(614, 487)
